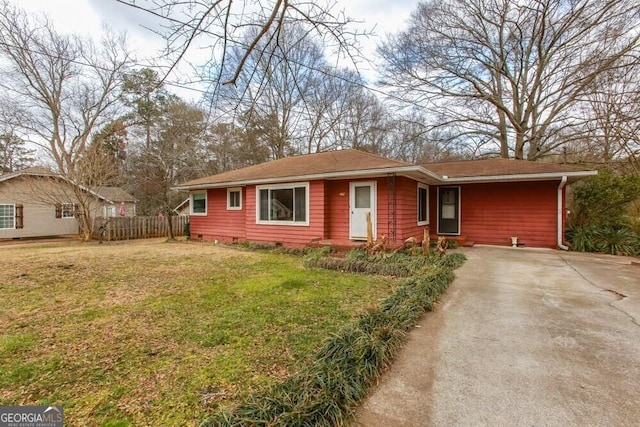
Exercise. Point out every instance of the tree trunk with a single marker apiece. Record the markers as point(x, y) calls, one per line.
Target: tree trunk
point(171, 235)
point(519, 149)
point(504, 141)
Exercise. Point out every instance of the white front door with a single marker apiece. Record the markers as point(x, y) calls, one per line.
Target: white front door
point(362, 200)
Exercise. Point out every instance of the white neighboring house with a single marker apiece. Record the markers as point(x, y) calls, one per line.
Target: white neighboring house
point(28, 208)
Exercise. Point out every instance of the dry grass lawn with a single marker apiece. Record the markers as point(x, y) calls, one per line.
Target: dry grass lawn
point(155, 333)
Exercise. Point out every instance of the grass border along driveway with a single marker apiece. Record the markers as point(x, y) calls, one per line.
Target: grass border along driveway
point(325, 392)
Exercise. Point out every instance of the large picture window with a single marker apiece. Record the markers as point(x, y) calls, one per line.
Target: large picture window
point(198, 204)
point(423, 204)
point(283, 204)
point(7, 216)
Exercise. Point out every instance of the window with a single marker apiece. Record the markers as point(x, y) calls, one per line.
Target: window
point(198, 204)
point(7, 216)
point(423, 204)
point(234, 199)
point(283, 204)
point(66, 210)
point(109, 212)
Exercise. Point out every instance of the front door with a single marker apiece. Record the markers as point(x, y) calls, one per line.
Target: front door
point(449, 210)
point(362, 201)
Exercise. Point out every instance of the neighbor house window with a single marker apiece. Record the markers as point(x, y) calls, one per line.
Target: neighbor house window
point(66, 210)
point(423, 204)
point(7, 216)
point(109, 211)
point(234, 199)
point(198, 204)
point(283, 204)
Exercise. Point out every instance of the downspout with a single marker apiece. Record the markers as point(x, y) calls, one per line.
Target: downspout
point(562, 246)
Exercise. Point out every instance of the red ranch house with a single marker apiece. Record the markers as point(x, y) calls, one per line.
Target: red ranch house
point(325, 197)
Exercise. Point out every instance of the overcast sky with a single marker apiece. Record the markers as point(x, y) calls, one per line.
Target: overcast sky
point(88, 16)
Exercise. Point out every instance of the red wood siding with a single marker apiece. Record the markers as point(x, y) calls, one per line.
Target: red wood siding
point(492, 213)
point(328, 215)
point(407, 210)
point(337, 209)
point(219, 223)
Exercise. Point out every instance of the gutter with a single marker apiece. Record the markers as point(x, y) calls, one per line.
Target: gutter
point(518, 177)
point(561, 245)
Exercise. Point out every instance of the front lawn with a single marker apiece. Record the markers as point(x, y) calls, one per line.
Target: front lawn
point(151, 333)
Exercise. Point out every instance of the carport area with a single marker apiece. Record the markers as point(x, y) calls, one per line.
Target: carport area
point(522, 337)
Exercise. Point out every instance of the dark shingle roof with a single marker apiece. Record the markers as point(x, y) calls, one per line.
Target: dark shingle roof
point(345, 163)
point(327, 163)
point(497, 167)
point(114, 194)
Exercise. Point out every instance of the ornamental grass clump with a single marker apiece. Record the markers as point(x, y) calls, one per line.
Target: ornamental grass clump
point(325, 392)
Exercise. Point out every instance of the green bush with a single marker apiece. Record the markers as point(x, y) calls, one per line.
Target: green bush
point(603, 217)
point(603, 200)
point(615, 241)
point(621, 241)
point(585, 239)
point(349, 362)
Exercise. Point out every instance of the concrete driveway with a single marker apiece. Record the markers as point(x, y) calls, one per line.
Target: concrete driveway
point(522, 337)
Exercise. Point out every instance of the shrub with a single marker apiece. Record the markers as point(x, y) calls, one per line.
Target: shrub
point(603, 200)
point(615, 241)
point(585, 239)
point(621, 241)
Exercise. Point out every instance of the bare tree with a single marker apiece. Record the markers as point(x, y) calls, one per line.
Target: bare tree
point(220, 25)
point(229, 147)
point(275, 108)
point(363, 122)
point(612, 133)
point(413, 140)
point(68, 88)
point(172, 158)
point(508, 71)
point(14, 152)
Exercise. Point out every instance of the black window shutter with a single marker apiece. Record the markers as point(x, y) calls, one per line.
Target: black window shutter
point(19, 216)
point(58, 210)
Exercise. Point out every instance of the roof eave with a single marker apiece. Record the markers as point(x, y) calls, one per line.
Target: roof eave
point(547, 176)
point(311, 177)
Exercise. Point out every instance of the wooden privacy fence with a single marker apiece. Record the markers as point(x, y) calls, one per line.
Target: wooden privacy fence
point(138, 227)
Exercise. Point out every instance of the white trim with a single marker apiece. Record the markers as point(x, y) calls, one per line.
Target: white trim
point(426, 187)
point(286, 186)
point(109, 211)
point(458, 213)
point(520, 177)
point(72, 210)
point(374, 205)
point(444, 179)
point(13, 216)
point(234, 190)
point(331, 175)
point(206, 204)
